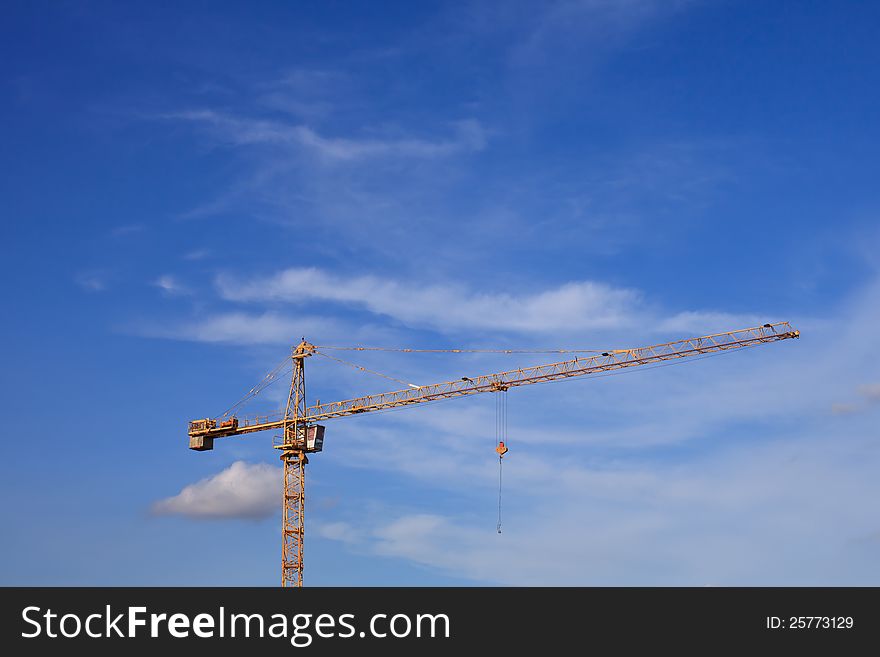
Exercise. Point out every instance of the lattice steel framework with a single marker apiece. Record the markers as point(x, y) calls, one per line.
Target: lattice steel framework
point(293, 455)
point(295, 422)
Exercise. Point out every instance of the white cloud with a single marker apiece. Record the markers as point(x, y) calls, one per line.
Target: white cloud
point(93, 281)
point(170, 285)
point(562, 26)
point(338, 531)
point(573, 306)
point(756, 514)
point(413, 535)
point(699, 321)
point(309, 93)
point(840, 408)
point(239, 328)
point(467, 135)
point(197, 254)
point(563, 42)
point(777, 492)
point(870, 391)
point(346, 183)
point(248, 491)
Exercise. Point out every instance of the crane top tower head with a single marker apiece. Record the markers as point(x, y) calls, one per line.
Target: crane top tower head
point(303, 349)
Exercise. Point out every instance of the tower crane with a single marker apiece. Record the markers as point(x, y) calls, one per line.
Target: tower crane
point(301, 434)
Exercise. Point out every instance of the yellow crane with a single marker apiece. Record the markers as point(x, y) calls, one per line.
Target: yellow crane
point(301, 434)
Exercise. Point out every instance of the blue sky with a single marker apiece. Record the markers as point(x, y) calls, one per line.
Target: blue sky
point(188, 189)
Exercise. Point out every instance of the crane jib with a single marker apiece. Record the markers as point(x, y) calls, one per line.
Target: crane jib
point(607, 361)
point(540, 374)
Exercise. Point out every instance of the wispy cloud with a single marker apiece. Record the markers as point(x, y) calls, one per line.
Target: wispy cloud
point(238, 328)
point(556, 47)
point(246, 491)
point(93, 281)
point(584, 26)
point(467, 135)
point(870, 391)
point(197, 254)
point(870, 395)
point(734, 516)
point(426, 187)
point(690, 320)
point(312, 94)
point(170, 285)
point(574, 306)
point(736, 511)
point(339, 531)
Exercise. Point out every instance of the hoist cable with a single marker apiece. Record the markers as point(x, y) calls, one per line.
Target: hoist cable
point(500, 467)
point(500, 436)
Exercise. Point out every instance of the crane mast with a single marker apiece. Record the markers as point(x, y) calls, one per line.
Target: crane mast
point(293, 456)
point(302, 435)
